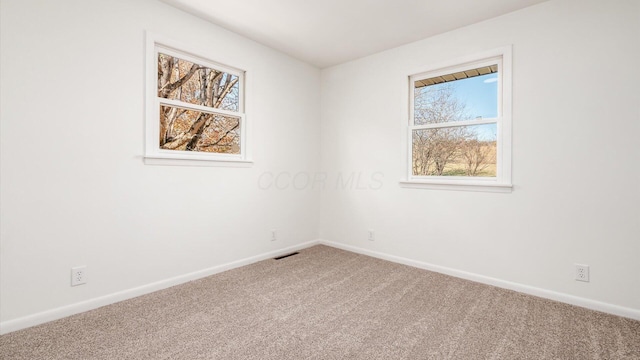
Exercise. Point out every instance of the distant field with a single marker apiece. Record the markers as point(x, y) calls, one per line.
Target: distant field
point(458, 169)
point(457, 166)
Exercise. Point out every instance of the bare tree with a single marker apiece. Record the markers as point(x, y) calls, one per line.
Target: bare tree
point(434, 105)
point(477, 155)
point(446, 144)
point(434, 149)
point(422, 153)
point(190, 130)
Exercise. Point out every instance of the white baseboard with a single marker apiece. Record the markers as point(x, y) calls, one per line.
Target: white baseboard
point(543, 293)
point(76, 308)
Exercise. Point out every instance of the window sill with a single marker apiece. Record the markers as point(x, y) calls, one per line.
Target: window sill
point(194, 162)
point(457, 185)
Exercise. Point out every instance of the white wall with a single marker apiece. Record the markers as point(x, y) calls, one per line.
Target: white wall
point(576, 122)
point(75, 190)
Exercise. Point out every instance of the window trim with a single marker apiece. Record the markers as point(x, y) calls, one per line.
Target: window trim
point(153, 155)
point(502, 181)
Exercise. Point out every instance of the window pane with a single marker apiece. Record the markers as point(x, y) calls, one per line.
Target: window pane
point(455, 151)
point(455, 97)
point(183, 80)
point(188, 130)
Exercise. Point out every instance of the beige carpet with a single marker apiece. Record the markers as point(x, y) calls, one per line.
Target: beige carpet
point(326, 303)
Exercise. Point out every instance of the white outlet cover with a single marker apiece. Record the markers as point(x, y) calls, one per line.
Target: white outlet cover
point(582, 272)
point(78, 275)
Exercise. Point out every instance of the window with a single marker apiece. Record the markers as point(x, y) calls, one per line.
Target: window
point(195, 108)
point(459, 128)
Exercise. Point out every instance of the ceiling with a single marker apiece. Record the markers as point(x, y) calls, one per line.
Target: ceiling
point(330, 32)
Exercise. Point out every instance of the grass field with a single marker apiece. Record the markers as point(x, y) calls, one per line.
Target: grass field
point(459, 169)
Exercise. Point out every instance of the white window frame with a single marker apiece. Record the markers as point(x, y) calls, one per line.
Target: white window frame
point(502, 181)
point(154, 155)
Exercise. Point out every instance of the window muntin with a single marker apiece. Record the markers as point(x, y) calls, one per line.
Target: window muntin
point(458, 133)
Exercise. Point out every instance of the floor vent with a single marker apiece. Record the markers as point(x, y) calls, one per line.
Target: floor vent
point(285, 256)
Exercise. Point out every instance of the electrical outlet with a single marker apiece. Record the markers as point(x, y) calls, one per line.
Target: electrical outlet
point(582, 272)
point(372, 235)
point(274, 235)
point(78, 275)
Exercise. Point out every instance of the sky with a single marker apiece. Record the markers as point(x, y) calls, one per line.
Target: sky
point(480, 94)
